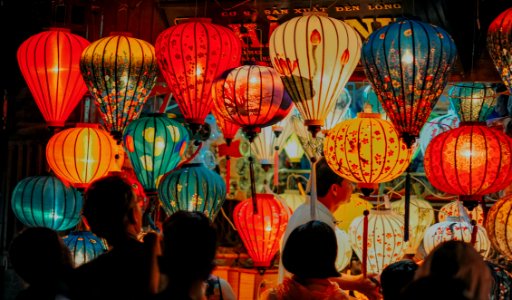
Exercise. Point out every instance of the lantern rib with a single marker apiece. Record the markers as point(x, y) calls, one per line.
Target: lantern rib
point(406, 97)
point(117, 88)
point(378, 178)
point(75, 176)
point(262, 96)
point(311, 113)
point(361, 176)
point(109, 116)
point(507, 243)
point(202, 108)
point(153, 150)
point(31, 188)
point(382, 227)
point(196, 45)
point(183, 108)
point(186, 108)
point(49, 109)
point(54, 108)
point(302, 92)
point(55, 206)
point(74, 82)
point(119, 122)
point(290, 82)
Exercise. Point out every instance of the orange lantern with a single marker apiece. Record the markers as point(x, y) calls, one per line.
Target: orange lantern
point(498, 227)
point(50, 64)
point(82, 154)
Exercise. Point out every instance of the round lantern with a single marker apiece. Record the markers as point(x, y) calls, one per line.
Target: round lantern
point(344, 250)
point(437, 126)
point(499, 41)
point(313, 146)
point(191, 55)
point(193, 187)
point(120, 72)
point(421, 217)
point(84, 246)
point(81, 155)
point(261, 232)
point(154, 145)
point(456, 229)
point(47, 202)
point(408, 64)
point(293, 149)
point(473, 102)
point(340, 109)
point(347, 212)
point(498, 223)
point(50, 63)
point(385, 239)
point(315, 56)
point(456, 209)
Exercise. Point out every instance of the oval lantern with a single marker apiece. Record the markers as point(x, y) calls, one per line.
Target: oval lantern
point(191, 55)
point(408, 63)
point(192, 187)
point(498, 228)
point(154, 145)
point(499, 39)
point(315, 56)
point(502, 282)
point(81, 155)
point(84, 246)
point(436, 126)
point(261, 232)
point(47, 202)
point(50, 63)
point(454, 209)
point(473, 102)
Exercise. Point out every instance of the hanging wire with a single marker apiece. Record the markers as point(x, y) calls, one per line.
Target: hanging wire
point(227, 219)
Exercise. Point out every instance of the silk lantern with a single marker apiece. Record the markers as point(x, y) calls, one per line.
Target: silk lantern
point(436, 126)
point(456, 209)
point(293, 149)
point(191, 55)
point(499, 41)
point(315, 56)
point(473, 102)
point(47, 202)
point(50, 64)
point(81, 155)
point(120, 72)
point(261, 232)
point(84, 246)
point(192, 187)
point(339, 111)
point(408, 63)
point(498, 223)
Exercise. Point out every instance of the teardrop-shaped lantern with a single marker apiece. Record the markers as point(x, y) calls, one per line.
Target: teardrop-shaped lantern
point(499, 41)
point(84, 246)
point(47, 202)
point(408, 63)
point(473, 102)
point(315, 56)
point(266, 143)
point(456, 209)
point(120, 72)
point(50, 63)
point(192, 187)
point(436, 126)
point(498, 223)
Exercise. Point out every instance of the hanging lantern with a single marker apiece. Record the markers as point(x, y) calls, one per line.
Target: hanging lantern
point(120, 72)
point(292, 198)
point(497, 225)
point(47, 202)
point(347, 212)
point(312, 146)
point(385, 239)
point(408, 63)
point(191, 55)
point(261, 232)
point(81, 155)
point(499, 39)
point(282, 115)
point(293, 149)
point(457, 230)
point(421, 217)
point(437, 126)
point(229, 129)
point(473, 102)
point(84, 246)
point(266, 145)
point(154, 145)
point(340, 109)
point(456, 209)
point(344, 250)
point(49, 62)
point(315, 56)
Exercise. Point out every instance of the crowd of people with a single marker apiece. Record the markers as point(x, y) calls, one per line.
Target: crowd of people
point(179, 263)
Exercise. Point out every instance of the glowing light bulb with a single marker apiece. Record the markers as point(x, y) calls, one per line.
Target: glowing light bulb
point(407, 58)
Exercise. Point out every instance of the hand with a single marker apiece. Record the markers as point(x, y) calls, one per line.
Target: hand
point(368, 286)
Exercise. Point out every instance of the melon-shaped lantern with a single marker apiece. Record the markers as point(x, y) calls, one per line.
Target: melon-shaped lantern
point(456, 209)
point(499, 41)
point(84, 246)
point(498, 226)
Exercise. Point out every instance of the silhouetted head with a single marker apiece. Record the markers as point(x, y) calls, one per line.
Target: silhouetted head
point(395, 277)
point(332, 190)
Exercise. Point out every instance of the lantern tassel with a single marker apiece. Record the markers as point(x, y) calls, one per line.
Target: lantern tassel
point(313, 189)
point(276, 168)
point(228, 174)
point(407, 207)
point(253, 186)
point(474, 233)
point(364, 262)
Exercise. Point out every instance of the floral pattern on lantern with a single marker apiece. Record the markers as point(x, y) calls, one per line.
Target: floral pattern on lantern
point(499, 41)
point(436, 126)
point(84, 246)
point(453, 209)
point(498, 223)
point(47, 202)
point(473, 102)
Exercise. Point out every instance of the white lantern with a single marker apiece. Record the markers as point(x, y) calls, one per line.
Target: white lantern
point(457, 209)
point(266, 143)
point(344, 249)
point(292, 198)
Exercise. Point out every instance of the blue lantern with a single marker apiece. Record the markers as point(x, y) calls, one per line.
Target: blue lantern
point(192, 188)
point(47, 202)
point(84, 246)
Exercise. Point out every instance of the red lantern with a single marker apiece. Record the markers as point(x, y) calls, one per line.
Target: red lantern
point(50, 64)
point(229, 129)
point(261, 232)
point(499, 38)
point(191, 56)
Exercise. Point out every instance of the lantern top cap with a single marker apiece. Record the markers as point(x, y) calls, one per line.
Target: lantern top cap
point(315, 13)
point(201, 20)
point(87, 125)
point(121, 33)
point(59, 29)
point(369, 115)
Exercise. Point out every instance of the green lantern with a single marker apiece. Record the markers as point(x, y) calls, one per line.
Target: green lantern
point(84, 246)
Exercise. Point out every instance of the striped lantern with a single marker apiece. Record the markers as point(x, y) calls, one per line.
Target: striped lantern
point(84, 246)
point(498, 226)
point(499, 41)
point(456, 209)
point(473, 101)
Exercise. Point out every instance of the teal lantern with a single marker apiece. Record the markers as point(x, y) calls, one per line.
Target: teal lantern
point(154, 145)
point(47, 202)
point(192, 188)
point(84, 246)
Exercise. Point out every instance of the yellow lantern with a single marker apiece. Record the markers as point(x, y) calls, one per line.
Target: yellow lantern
point(498, 226)
point(293, 149)
point(457, 209)
point(292, 198)
point(347, 212)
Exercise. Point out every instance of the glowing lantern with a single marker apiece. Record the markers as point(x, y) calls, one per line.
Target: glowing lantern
point(154, 145)
point(473, 102)
point(293, 149)
point(344, 250)
point(347, 212)
point(191, 55)
point(408, 63)
point(193, 187)
point(81, 155)
point(385, 239)
point(261, 232)
point(229, 129)
point(437, 126)
point(421, 217)
point(313, 146)
point(456, 209)
point(120, 72)
point(49, 62)
point(340, 109)
point(46, 201)
point(498, 223)
point(315, 56)
point(456, 229)
point(499, 39)
point(84, 246)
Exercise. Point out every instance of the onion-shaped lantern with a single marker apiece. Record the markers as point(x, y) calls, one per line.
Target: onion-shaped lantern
point(193, 187)
point(50, 63)
point(339, 111)
point(347, 212)
point(498, 223)
point(267, 145)
point(120, 72)
point(191, 56)
point(47, 202)
point(261, 232)
point(456, 209)
point(84, 246)
point(81, 155)
point(436, 126)
point(499, 41)
point(154, 145)
point(293, 149)
point(408, 63)
point(315, 56)
point(473, 102)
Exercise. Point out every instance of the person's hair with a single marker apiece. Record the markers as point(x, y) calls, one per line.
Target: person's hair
point(325, 178)
point(108, 203)
point(310, 251)
point(38, 255)
point(395, 277)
